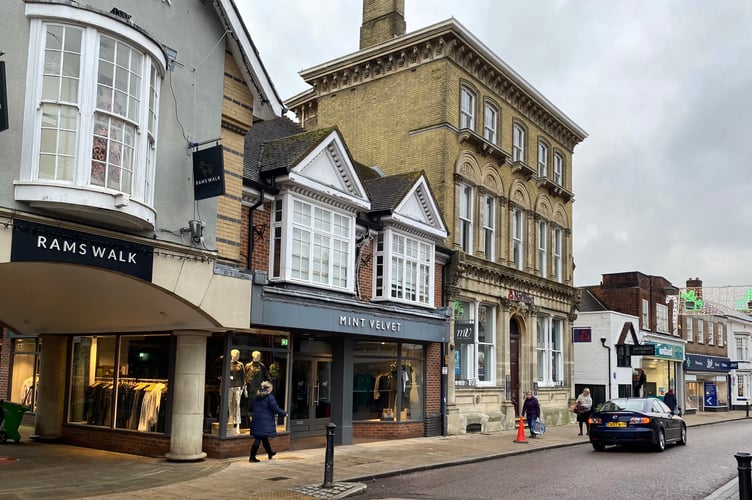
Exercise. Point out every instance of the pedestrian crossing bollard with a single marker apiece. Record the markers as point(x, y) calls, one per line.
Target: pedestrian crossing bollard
point(329, 460)
point(743, 460)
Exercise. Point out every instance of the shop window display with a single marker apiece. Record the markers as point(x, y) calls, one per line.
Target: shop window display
point(25, 373)
point(388, 381)
point(252, 359)
point(120, 382)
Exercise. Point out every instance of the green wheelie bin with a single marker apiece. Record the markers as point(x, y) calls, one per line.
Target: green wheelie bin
point(10, 420)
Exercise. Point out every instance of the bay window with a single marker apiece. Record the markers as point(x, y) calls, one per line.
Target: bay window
point(409, 275)
point(91, 117)
point(312, 243)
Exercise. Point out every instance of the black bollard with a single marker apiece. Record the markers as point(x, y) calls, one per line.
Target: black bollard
point(329, 461)
point(743, 460)
point(747, 409)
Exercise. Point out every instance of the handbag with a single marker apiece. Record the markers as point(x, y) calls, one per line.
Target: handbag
point(579, 409)
point(539, 427)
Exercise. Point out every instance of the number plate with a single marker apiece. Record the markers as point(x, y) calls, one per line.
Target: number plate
point(616, 424)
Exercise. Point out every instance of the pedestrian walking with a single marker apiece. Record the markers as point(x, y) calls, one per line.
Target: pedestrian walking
point(670, 399)
point(583, 406)
point(263, 426)
point(531, 410)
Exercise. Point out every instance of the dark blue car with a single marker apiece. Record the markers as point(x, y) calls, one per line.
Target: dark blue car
point(636, 421)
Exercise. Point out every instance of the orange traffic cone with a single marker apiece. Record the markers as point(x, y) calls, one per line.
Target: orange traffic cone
point(521, 432)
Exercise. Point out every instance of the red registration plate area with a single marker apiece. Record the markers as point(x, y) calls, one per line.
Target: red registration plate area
point(616, 424)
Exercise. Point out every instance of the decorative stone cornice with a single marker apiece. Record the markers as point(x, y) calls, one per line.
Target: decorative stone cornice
point(445, 40)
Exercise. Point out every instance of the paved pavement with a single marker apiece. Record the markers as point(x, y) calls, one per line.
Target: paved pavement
point(35, 470)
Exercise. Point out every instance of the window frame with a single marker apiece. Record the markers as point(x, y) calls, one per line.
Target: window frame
point(661, 318)
point(468, 99)
point(490, 123)
point(543, 151)
point(282, 254)
point(489, 226)
point(518, 142)
point(700, 331)
point(542, 252)
point(645, 314)
point(386, 279)
point(549, 347)
point(689, 336)
point(518, 238)
point(558, 262)
point(93, 29)
point(558, 169)
point(465, 213)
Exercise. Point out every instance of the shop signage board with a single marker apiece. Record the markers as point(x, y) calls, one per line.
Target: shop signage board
point(33, 242)
point(643, 350)
point(697, 362)
point(463, 331)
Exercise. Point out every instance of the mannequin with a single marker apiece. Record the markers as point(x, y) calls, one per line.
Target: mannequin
point(237, 382)
point(255, 373)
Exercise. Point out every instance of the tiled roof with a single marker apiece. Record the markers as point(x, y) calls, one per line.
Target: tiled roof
point(387, 192)
point(260, 133)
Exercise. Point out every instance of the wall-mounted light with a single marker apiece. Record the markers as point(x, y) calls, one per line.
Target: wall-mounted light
point(196, 229)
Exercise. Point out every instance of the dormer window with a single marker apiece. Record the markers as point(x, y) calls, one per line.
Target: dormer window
point(312, 244)
point(404, 268)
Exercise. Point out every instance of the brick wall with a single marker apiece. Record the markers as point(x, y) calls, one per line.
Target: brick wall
point(387, 430)
point(237, 119)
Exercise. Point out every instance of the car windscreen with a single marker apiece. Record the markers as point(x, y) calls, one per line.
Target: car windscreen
point(623, 405)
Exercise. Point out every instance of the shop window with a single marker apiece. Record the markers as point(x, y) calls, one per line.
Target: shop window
point(475, 352)
point(120, 382)
point(24, 377)
point(244, 361)
point(388, 381)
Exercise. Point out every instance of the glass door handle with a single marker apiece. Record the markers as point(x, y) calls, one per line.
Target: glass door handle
point(316, 397)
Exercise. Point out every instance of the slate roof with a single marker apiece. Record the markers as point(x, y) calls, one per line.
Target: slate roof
point(387, 192)
point(260, 133)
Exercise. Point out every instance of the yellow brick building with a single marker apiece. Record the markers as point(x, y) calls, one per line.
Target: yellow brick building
point(498, 156)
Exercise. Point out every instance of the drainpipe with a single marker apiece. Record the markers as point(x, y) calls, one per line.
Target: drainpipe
point(261, 188)
point(603, 342)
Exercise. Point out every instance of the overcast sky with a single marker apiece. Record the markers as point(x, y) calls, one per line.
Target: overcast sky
point(663, 183)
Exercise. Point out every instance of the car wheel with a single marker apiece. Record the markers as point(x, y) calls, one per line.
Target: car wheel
point(660, 443)
point(683, 435)
point(599, 446)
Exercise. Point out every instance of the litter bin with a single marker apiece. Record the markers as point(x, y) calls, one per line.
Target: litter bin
point(10, 419)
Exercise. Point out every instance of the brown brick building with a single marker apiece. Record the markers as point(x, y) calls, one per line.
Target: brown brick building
point(498, 156)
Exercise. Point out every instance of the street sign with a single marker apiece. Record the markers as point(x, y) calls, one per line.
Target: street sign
point(643, 350)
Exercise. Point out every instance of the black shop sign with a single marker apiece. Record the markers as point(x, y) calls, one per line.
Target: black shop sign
point(34, 242)
point(464, 330)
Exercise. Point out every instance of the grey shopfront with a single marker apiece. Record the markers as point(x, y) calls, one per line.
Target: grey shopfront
point(370, 369)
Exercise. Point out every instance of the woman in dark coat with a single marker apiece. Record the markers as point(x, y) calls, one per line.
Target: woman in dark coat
point(263, 426)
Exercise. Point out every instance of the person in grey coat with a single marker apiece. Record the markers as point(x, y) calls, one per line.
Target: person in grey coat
point(263, 426)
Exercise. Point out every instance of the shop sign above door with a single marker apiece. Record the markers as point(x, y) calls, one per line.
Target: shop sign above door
point(34, 242)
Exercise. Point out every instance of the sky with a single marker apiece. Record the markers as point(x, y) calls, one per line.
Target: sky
point(662, 87)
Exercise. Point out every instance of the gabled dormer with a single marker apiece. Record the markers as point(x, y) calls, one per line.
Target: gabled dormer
point(405, 247)
point(314, 214)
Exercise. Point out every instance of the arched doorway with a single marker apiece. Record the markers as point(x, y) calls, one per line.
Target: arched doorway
point(514, 364)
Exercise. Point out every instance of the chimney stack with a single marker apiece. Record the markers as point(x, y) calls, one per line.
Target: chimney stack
point(382, 21)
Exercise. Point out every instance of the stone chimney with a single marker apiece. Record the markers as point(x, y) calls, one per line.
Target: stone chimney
point(382, 21)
